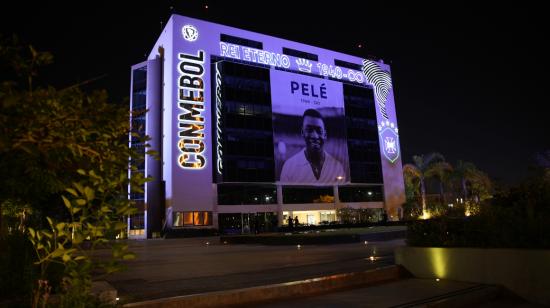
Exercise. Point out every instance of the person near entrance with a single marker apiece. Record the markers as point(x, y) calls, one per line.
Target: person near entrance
point(290, 222)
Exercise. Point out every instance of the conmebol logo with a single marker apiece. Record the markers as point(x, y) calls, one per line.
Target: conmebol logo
point(190, 33)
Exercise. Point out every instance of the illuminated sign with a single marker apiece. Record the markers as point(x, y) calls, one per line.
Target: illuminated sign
point(191, 111)
point(381, 81)
point(219, 150)
point(307, 89)
point(283, 61)
point(388, 132)
point(304, 65)
point(254, 55)
point(309, 129)
point(190, 33)
point(389, 137)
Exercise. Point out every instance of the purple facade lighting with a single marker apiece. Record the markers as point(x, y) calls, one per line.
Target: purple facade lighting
point(192, 119)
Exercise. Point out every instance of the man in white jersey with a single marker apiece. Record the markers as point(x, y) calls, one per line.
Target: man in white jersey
point(313, 164)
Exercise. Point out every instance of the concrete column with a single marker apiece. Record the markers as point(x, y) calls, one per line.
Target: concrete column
point(336, 195)
point(279, 205)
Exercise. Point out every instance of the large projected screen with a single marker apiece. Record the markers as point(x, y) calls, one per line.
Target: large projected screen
point(309, 130)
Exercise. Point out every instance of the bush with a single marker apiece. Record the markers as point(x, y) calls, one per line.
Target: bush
point(493, 228)
point(17, 272)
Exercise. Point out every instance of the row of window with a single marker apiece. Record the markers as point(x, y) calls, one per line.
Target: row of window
point(247, 169)
point(247, 110)
point(247, 133)
point(247, 122)
point(246, 83)
point(286, 51)
point(231, 194)
point(237, 194)
point(182, 219)
point(137, 221)
point(365, 172)
point(363, 146)
point(138, 122)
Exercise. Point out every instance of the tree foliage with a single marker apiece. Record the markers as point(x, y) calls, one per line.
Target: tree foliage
point(463, 182)
point(416, 173)
point(65, 160)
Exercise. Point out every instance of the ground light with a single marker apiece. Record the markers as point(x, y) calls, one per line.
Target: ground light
point(299, 246)
point(426, 215)
point(437, 279)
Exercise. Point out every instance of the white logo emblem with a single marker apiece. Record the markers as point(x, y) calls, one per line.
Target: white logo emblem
point(190, 33)
point(389, 135)
point(389, 143)
point(304, 65)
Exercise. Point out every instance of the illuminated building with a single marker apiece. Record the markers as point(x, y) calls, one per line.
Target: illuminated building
point(252, 129)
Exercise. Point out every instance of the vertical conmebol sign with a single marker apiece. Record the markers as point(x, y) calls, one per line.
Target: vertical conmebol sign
point(387, 130)
point(219, 149)
point(191, 115)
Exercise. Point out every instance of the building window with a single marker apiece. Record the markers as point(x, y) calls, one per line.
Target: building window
point(245, 132)
point(360, 193)
point(304, 194)
point(138, 123)
point(362, 135)
point(137, 221)
point(232, 194)
point(300, 54)
point(184, 219)
point(241, 41)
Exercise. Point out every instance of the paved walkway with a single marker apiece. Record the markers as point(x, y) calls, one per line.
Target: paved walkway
point(187, 266)
point(402, 293)
point(392, 294)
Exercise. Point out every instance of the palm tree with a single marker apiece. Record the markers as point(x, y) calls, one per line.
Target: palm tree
point(441, 170)
point(419, 169)
point(465, 172)
point(481, 186)
point(543, 162)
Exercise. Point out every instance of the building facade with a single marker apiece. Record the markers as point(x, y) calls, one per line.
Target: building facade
point(253, 131)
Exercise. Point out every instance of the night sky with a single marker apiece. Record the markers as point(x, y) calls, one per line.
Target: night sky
point(470, 81)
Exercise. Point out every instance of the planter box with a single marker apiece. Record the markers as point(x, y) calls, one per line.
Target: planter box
point(522, 271)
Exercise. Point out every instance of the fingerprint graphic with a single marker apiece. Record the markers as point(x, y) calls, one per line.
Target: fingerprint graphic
point(381, 80)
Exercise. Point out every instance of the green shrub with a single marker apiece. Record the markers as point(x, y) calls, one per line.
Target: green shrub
point(17, 272)
point(497, 228)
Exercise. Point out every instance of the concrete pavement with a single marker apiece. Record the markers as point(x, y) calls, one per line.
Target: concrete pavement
point(410, 292)
point(394, 294)
point(195, 265)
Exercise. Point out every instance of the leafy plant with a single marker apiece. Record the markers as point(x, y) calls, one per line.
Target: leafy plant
point(65, 165)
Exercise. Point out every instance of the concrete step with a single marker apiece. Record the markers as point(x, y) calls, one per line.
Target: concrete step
point(407, 292)
point(279, 291)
